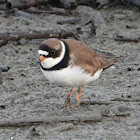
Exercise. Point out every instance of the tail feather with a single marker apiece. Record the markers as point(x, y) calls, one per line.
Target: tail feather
point(109, 61)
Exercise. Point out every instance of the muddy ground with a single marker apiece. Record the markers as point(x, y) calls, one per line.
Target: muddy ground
point(26, 94)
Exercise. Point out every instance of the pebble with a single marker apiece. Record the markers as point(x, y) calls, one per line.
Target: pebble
point(105, 110)
point(130, 69)
point(98, 19)
point(124, 109)
point(4, 68)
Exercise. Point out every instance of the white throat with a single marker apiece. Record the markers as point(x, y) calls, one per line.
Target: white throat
point(51, 62)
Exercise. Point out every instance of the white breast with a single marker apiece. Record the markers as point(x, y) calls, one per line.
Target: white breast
point(70, 76)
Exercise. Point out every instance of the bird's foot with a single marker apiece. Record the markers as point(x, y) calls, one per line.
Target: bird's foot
point(67, 102)
point(75, 105)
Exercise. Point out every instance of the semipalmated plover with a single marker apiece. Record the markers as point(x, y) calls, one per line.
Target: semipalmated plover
point(69, 62)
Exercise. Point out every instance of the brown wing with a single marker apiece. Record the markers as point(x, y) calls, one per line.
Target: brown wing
point(85, 57)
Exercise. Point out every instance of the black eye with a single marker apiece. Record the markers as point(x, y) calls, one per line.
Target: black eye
point(44, 55)
point(52, 52)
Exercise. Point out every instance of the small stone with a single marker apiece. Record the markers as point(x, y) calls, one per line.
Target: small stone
point(23, 75)
point(32, 132)
point(98, 19)
point(4, 68)
point(124, 109)
point(130, 69)
point(129, 96)
point(2, 106)
point(105, 110)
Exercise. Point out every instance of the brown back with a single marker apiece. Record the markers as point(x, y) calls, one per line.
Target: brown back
point(85, 57)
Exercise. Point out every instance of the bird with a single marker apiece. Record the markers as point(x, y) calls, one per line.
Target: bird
point(71, 63)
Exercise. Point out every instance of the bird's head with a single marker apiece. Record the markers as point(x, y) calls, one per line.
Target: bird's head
point(51, 52)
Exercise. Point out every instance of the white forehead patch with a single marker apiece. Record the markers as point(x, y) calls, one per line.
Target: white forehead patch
point(41, 52)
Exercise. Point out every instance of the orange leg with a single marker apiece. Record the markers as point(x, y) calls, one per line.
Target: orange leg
point(67, 101)
point(78, 95)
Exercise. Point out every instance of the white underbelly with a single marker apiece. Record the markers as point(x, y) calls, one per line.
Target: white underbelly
point(70, 76)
